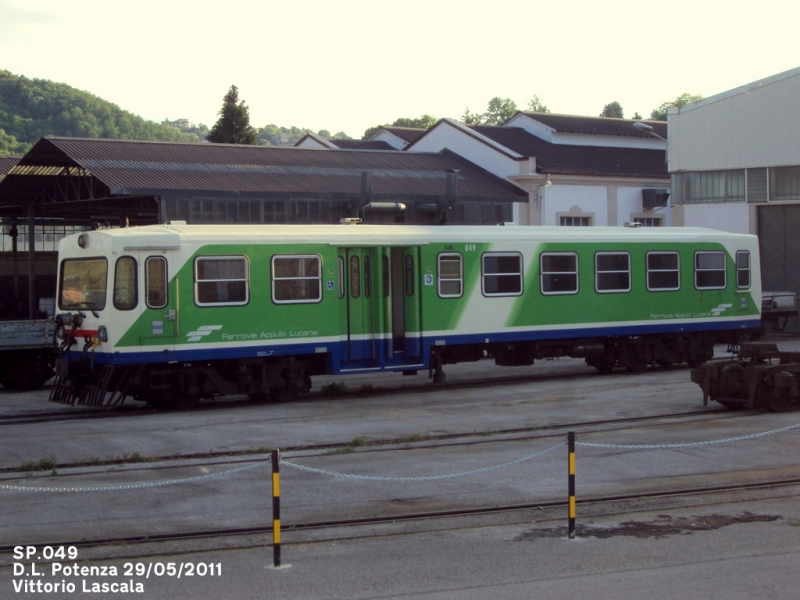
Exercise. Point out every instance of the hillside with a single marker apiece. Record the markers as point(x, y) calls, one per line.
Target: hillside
point(33, 108)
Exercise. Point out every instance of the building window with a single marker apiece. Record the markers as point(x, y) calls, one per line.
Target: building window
point(612, 272)
point(709, 270)
point(502, 274)
point(742, 269)
point(450, 276)
point(155, 281)
point(575, 221)
point(709, 187)
point(784, 183)
point(663, 271)
point(559, 273)
point(296, 279)
point(649, 221)
point(45, 237)
point(221, 281)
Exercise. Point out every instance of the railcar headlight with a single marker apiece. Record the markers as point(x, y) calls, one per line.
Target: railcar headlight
point(83, 240)
point(102, 333)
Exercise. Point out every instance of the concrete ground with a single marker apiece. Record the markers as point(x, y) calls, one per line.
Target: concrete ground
point(742, 545)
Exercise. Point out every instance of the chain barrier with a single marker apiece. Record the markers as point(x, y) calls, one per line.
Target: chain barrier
point(131, 486)
point(687, 444)
point(421, 478)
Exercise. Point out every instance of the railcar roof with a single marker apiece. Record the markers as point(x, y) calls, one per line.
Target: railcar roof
point(387, 235)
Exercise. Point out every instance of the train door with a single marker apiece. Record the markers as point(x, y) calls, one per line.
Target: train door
point(359, 297)
point(406, 317)
point(159, 322)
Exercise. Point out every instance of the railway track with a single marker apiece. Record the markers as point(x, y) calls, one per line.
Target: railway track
point(139, 409)
point(605, 504)
point(464, 438)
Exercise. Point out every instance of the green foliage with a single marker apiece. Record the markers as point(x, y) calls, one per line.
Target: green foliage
point(233, 125)
point(423, 122)
point(535, 104)
point(9, 146)
point(48, 463)
point(660, 113)
point(613, 109)
point(34, 108)
point(499, 110)
point(636, 116)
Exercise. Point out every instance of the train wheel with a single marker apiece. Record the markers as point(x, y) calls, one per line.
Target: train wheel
point(731, 382)
point(774, 402)
point(604, 364)
point(635, 361)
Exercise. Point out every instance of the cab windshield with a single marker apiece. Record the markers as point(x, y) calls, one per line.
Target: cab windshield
point(83, 284)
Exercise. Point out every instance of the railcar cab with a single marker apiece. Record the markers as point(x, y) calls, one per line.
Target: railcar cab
point(106, 285)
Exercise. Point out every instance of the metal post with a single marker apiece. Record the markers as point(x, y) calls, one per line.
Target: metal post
point(276, 508)
point(571, 450)
point(31, 262)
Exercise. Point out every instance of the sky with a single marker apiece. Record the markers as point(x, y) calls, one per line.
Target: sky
point(347, 65)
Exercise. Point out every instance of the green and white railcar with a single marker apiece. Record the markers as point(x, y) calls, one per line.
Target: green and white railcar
point(174, 313)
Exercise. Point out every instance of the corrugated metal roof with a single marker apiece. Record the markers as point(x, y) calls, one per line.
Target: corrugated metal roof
point(140, 167)
point(408, 134)
point(361, 144)
point(6, 164)
point(568, 159)
point(597, 125)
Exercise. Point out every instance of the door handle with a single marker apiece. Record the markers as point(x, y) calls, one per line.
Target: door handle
point(170, 316)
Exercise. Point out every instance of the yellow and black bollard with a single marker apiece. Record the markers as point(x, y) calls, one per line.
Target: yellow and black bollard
point(571, 450)
point(276, 508)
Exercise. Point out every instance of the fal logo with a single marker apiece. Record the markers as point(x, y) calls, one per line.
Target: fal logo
point(720, 309)
point(195, 336)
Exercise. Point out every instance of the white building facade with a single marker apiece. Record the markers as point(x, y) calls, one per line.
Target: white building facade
point(584, 171)
point(734, 161)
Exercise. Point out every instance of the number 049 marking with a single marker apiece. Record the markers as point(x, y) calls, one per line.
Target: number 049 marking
point(469, 247)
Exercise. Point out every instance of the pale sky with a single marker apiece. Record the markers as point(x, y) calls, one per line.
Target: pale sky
point(350, 64)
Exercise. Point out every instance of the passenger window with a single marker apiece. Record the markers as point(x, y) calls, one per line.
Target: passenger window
point(709, 270)
point(125, 291)
point(296, 279)
point(743, 269)
point(341, 277)
point(450, 276)
point(409, 275)
point(663, 271)
point(155, 275)
point(612, 272)
point(501, 274)
point(385, 263)
point(559, 273)
point(367, 278)
point(221, 281)
point(355, 277)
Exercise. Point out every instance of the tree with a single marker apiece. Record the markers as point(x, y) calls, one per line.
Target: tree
point(660, 113)
point(499, 110)
point(613, 109)
point(535, 105)
point(636, 116)
point(233, 125)
point(423, 122)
